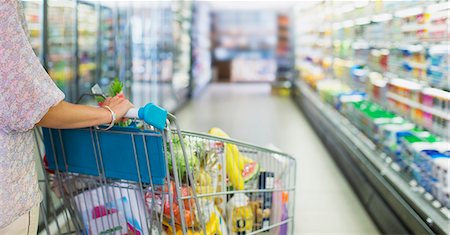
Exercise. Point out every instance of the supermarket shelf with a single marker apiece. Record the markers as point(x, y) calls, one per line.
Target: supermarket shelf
point(416, 105)
point(395, 206)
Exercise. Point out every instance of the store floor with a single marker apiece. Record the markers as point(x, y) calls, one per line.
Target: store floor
point(326, 203)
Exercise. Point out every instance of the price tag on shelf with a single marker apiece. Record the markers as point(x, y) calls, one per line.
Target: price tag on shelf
point(421, 190)
point(428, 197)
point(395, 167)
point(436, 204)
point(446, 212)
point(388, 160)
point(413, 184)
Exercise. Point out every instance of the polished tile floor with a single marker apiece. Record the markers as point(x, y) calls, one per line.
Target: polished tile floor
point(325, 202)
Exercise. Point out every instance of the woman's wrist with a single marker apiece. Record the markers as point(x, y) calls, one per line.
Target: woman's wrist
point(105, 117)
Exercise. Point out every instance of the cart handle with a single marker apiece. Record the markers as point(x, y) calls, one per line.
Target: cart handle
point(150, 113)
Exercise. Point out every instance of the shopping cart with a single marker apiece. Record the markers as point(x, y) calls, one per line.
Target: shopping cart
point(152, 178)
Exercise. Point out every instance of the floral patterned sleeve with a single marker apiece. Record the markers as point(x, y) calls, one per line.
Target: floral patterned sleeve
point(26, 90)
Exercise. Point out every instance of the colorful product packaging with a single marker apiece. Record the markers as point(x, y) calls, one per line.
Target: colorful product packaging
point(112, 210)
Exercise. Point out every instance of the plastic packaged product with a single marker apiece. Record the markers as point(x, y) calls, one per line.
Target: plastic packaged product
point(424, 160)
point(444, 196)
point(391, 134)
point(411, 144)
point(417, 150)
point(383, 118)
point(266, 181)
point(285, 213)
point(240, 216)
point(440, 169)
point(111, 210)
point(277, 208)
point(440, 175)
point(154, 202)
point(430, 171)
point(349, 97)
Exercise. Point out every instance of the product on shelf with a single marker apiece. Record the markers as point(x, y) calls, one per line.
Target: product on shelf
point(201, 46)
point(377, 87)
point(438, 59)
point(61, 41)
point(311, 74)
point(32, 12)
point(330, 89)
point(87, 46)
point(247, 70)
point(107, 45)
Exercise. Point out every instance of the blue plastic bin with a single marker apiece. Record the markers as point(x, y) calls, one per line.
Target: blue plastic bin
point(82, 153)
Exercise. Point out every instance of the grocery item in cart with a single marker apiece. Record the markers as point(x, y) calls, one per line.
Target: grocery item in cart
point(155, 202)
point(279, 210)
point(240, 169)
point(214, 226)
point(111, 210)
point(266, 181)
point(195, 149)
point(239, 215)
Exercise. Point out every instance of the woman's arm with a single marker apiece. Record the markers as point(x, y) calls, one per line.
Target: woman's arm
point(66, 115)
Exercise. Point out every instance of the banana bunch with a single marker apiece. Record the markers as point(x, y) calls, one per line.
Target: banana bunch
point(235, 161)
point(232, 159)
point(204, 183)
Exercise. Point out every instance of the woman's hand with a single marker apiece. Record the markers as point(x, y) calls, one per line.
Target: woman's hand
point(119, 104)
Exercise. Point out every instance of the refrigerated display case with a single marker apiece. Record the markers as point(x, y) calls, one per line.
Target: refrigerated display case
point(152, 54)
point(60, 60)
point(201, 47)
point(123, 47)
point(182, 26)
point(33, 15)
point(107, 61)
point(87, 23)
point(365, 86)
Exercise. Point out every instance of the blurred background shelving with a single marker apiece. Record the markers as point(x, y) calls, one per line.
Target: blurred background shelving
point(383, 66)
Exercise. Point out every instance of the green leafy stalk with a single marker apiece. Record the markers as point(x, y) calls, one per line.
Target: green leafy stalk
point(115, 87)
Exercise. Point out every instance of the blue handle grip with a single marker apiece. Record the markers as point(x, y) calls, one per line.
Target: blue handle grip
point(153, 115)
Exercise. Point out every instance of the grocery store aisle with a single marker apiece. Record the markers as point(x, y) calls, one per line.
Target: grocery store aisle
point(325, 202)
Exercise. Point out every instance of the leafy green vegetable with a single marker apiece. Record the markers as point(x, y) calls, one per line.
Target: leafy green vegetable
point(115, 88)
point(193, 150)
point(100, 99)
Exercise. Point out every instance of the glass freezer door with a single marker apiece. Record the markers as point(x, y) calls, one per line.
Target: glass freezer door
point(33, 15)
point(87, 46)
point(107, 45)
point(61, 45)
